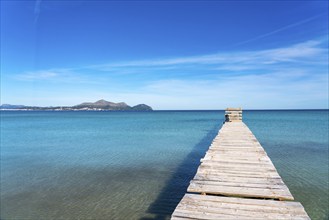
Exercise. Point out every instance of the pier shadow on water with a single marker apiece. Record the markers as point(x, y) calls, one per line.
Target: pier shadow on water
point(176, 187)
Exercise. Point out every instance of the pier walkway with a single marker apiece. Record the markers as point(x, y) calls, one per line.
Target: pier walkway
point(237, 180)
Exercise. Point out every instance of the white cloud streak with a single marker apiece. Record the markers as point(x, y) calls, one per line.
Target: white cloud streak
point(275, 90)
point(306, 50)
point(37, 10)
point(287, 27)
point(310, 52)
point(289, 77)
point(68, 76)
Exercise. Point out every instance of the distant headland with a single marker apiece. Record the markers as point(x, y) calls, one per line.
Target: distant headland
point(100, 105)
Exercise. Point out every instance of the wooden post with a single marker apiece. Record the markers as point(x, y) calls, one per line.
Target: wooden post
point(233, 114)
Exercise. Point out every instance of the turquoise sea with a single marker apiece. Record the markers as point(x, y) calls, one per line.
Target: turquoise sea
point(137, 165)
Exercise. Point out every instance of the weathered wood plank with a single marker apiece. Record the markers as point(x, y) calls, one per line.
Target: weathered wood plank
point(266, 185)
point(236, 168)
point(241, 212)
point(281, 194)
point(221, 199)
point(215, 170)
point(225, 178)
point(245, 151)
point(222, 157)
point(237, 163)
point(234, 160)
point(212, 207)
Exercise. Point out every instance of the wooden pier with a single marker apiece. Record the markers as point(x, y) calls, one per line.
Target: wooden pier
point(237, 180)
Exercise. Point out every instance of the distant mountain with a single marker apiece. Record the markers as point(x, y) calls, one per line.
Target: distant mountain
point(142, 107)
point(100, 105)
point(8, 106)
point(103, 104)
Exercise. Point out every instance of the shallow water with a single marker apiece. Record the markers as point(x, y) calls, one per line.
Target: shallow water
point(137, 165)
point(297, 142)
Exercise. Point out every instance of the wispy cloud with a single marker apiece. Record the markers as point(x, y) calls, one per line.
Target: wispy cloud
point(294, 77)
point(37, 10)
point(55, 76)
point(39, 75)
point(287, 27)
point(309, 52)
point(268, 91)
point(295, 53)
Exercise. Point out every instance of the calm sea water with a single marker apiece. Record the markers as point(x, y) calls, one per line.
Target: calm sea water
point(137, 165)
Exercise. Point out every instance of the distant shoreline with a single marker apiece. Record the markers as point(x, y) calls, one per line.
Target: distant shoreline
point(185, 110)
point(100, 105)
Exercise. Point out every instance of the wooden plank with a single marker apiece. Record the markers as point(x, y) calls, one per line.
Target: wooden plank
point(241, 148)
point(249, 192)
point(237, 174)
point(228, 163)
point(216, 157)
point(237, 179)
point(236, 143)
point(245, 166)
point(219, 149)
point(204, 215)
point(220, 199)
point(222, 158)
point(242, 190)
point(264, 185)
point(242, 154)
point(196, 214)
point(238, 163)
point(240, 211)
point(213, 166)
point(234, 160)
point(212, 207)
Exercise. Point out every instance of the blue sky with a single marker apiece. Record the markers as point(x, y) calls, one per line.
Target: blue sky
point(168, 54)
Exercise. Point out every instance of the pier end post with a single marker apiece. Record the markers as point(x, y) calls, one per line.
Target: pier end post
point(233, 114)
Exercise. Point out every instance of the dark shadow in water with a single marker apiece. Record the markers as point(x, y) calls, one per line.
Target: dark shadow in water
point(176, 187)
